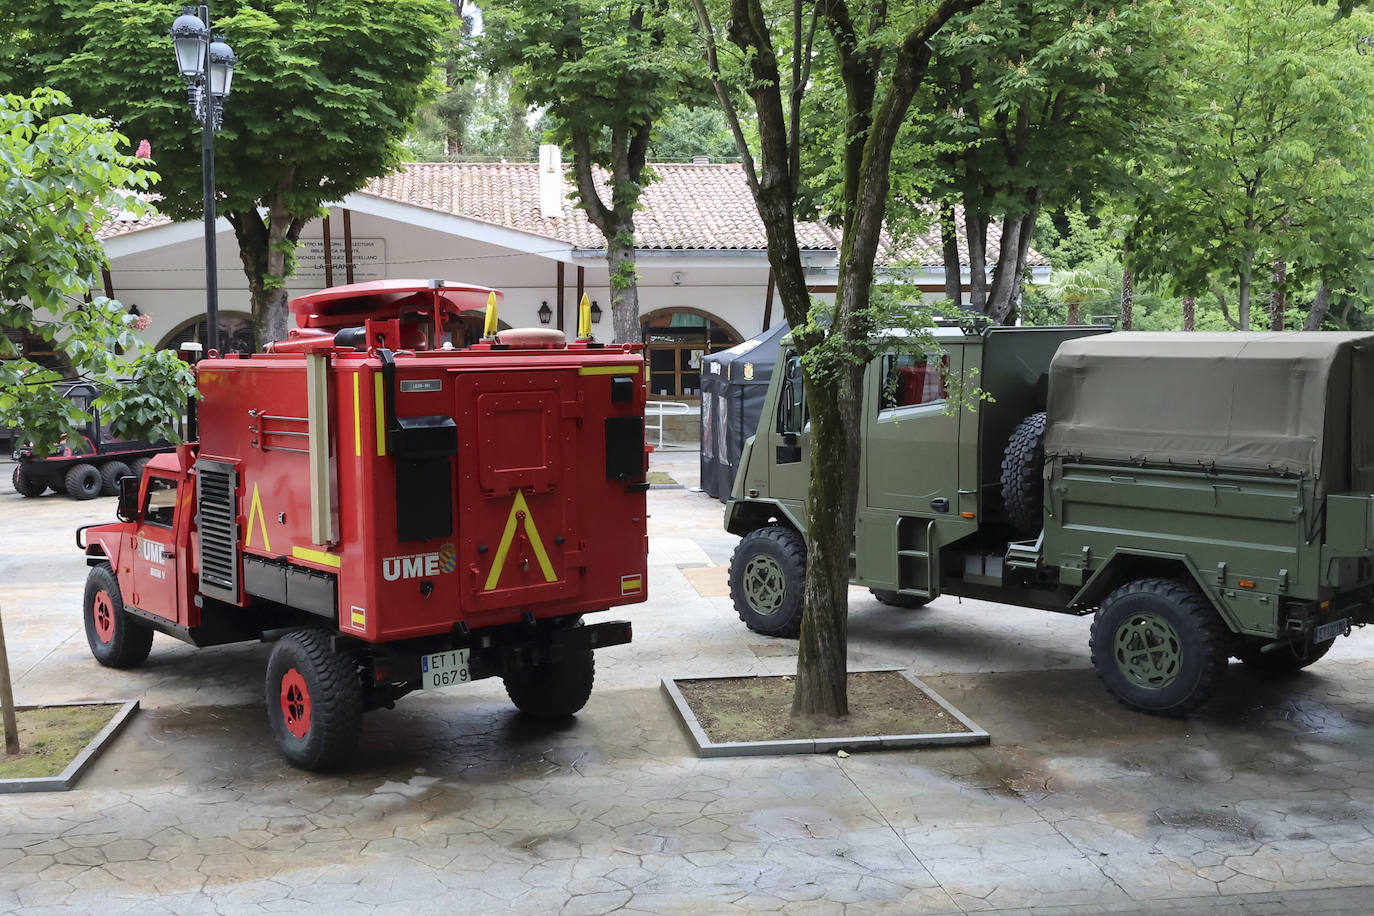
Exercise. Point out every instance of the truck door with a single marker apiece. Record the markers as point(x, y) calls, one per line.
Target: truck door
point(789, 438)
point(155, 553)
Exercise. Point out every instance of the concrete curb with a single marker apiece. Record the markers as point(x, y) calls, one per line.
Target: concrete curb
point(68, 777)
point(705, 747)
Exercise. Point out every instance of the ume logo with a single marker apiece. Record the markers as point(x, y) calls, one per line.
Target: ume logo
point(152, 551)
point(416, 565)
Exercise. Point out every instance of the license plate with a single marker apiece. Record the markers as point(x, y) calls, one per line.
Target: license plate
point(443, 669)
point(1330, 630)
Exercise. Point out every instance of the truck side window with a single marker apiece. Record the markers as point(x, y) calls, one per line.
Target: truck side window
point(913, 379)
point(162, 501)
point(792, 404)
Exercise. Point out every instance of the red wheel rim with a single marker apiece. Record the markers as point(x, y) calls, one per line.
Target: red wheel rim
point(295, 703)
point(103, 612)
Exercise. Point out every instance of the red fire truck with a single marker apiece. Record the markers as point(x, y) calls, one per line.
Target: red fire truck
point(394, 513)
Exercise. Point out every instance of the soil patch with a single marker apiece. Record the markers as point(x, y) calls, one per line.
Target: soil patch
point(733, 709)
point(50, 737)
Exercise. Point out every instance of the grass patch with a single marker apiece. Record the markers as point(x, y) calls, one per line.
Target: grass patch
point(50, 737)
point(661, 479)
point(733, 709)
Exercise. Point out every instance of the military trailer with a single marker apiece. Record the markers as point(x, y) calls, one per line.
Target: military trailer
point(1203, 496)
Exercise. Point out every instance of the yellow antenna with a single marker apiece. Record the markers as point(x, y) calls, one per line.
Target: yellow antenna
point(489, 329)
point(584, 319)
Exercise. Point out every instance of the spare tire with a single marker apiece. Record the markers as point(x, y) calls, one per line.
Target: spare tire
point(1023, 467)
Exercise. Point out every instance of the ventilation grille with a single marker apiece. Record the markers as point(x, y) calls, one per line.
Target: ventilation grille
point(216, 498)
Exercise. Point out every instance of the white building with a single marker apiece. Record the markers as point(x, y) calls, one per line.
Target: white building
point(704, 281)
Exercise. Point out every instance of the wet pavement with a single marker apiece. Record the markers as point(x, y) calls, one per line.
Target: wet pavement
point(1261, 803)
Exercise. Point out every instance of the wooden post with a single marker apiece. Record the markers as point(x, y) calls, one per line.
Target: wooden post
point(7, 698)
point(348, 245)
point(328, 255)
point(559, 299)
point(768, 302)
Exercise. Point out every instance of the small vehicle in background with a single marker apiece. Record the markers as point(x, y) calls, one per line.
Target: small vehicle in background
point(88, 467)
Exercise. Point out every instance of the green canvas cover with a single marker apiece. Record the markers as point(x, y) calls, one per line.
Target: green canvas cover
point(1293, 403)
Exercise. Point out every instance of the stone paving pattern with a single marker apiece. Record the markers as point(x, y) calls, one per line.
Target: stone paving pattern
point(456, 804)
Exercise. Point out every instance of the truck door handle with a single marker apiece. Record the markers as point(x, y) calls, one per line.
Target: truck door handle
point(169, 554)
point(940, 504)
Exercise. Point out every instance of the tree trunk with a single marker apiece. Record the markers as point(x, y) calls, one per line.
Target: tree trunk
point(624, 298)
point(1278, 296)
point(1013, 250)
point(949, 242)
point(263, 248)
point(976, 228)
point(1074, 317)
point(1247, 276)
point(1320, 305)
point(11, 727)
point(1127, 297)
point(1189, 313)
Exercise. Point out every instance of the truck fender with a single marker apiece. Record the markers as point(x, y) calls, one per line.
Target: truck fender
point(104, 547)
point(1126, 565)
point(745, 515)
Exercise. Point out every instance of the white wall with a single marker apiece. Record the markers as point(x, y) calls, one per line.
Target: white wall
point(167, 280)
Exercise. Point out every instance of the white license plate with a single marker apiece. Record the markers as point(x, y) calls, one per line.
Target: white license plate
point(1330, 630)
point(443, 669)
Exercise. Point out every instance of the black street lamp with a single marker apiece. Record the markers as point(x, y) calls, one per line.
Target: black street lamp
point(208, 65)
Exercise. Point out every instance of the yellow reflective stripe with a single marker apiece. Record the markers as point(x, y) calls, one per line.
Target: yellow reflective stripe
point(508, 537)
point(608, 370)
point(316, 556)
point(381, 413)
point(357, 420)
point(255, 511)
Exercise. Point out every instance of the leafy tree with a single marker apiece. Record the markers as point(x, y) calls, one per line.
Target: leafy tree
point(687, 131)
point(878, 55)
point(321, 97)
point(1267, 171)
point(64, 177)
point(606, 71)
point(1042, 99)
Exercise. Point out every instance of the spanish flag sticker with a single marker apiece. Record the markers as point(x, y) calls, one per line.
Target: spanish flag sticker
point(359, 617)
point(631, 585)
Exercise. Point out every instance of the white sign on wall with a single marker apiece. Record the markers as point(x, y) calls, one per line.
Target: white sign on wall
point(369, 262)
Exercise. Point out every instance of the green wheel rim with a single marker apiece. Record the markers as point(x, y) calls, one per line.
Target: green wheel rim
point(764, 585)
point(1148, 651)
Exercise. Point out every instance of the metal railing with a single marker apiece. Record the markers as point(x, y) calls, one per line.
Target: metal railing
point(661, 409)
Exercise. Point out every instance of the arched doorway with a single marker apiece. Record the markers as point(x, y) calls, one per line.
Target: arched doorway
point(675, 340)
point(235, 333)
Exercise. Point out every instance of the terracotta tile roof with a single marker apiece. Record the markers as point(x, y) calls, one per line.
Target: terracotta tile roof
point(687, 207)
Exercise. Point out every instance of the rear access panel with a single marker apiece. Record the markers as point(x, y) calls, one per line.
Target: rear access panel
point(516, 498)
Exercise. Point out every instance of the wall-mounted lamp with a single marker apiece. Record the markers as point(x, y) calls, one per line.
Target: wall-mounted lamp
point(596, 313)
point(545, 313)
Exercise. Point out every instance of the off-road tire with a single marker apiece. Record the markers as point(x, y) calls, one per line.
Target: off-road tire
point(1283, 660)
point(137, 465)
point(767, 578)
point(897, 599)
point(110, 473)
point(116, 638)
point(554, 690)
point(1023, 468)
point(83, 482)
point(1158, 646)
point(25, 485)
point(314, 700)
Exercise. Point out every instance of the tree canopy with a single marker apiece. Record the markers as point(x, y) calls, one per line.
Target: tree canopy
point(64, 177)
point(321, 97)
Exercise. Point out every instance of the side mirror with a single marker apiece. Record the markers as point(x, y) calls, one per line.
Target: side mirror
point(127, 510)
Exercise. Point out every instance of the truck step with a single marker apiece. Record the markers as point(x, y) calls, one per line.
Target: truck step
point(1025, 554)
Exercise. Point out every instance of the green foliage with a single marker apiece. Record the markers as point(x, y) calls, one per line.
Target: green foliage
point(64, 177)
point(1269, 155)
point(321, 96)
point(685, 131)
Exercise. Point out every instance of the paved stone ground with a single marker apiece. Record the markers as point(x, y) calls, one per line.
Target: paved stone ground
point(456, 804)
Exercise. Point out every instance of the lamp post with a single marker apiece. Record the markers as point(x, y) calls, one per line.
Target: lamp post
point(207, 63)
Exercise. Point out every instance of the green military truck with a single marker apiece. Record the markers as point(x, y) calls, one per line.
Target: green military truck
point(1204, 496)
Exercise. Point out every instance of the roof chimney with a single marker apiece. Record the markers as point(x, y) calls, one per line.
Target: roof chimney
point(550, 182)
